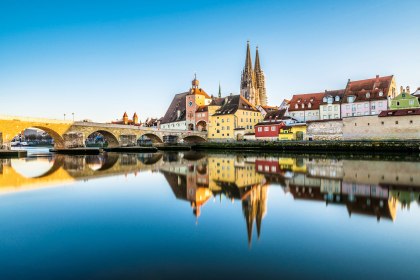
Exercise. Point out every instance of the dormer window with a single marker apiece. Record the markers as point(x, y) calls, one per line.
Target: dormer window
point(368, 95)
point(337, 98)
point(324, 99)
point(330, 100)
point(296, 106)
point(381, 93)
point(350, 99)
point(303, 106)
point(309, 105)
point(312, 99)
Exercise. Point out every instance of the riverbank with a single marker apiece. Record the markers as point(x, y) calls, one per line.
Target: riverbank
point(411, 146)
point(13, 153)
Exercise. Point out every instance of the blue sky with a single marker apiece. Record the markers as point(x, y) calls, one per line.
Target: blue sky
point(101, 58)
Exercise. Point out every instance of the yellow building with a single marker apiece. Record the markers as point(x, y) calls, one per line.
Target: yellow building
point(293, 132)
point(232, 118)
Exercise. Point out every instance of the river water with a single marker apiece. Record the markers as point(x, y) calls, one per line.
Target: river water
point(206, 216)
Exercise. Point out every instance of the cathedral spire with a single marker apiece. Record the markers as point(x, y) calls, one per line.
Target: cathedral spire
point(248, 61)
point(257, 62)
point(220, 91)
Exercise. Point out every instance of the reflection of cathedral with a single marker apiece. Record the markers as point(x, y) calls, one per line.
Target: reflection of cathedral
point(370, 188)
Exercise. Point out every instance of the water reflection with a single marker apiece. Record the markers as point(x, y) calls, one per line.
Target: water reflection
point(373, 188)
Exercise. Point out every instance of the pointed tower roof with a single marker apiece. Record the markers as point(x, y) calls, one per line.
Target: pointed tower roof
point(248, 61)
point(125, 115)
point(220, 91)
point(135, 115)
point(257, 62)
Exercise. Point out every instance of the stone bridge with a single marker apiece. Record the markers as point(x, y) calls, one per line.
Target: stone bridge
point(68, 134)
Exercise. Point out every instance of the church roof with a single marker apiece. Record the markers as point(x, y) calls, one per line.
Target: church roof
point(232, 104)
point(178, 104)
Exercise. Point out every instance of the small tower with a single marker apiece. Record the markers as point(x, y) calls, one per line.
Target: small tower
point(125, 118)
point(135, 118)
point(220, 91)
point(195, 83)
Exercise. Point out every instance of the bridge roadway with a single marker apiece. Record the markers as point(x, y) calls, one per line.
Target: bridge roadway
point(68, 134)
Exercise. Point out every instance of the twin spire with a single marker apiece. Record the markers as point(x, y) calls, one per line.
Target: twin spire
point(253, 80)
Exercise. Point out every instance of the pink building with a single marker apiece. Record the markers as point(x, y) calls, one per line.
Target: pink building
point(367, 97)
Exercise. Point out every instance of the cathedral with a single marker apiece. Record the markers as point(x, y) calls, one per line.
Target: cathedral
point(253, 80)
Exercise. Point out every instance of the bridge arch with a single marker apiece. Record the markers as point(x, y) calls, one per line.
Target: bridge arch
point(153, 137)
point(201, 125)
point(193, 139)
point(8, 136)
point(108, 136)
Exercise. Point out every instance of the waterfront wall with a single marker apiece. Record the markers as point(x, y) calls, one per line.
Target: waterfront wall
point(324, 130)
point(378, 128)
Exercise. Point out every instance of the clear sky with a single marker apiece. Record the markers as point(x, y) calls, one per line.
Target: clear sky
point(101, 58)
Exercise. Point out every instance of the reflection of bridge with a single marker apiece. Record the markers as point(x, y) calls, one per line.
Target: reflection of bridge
point(66, 169)
point(67, 134)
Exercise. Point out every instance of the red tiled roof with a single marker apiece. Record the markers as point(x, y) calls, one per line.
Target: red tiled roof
point(369, 89)
point(401, 112)
point(333, 94)
point(314, 99)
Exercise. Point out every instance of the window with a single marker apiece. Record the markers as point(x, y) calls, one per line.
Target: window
point(335, 108)
point(259, 129)
point(296, 106)
point(382, 123)
point(303, 106)
point(359, 106)
point(366, 105)
point(273, 128)
point(329, 108)
point(411, 102)
point(348, 107)
point(309, 105)
point(380, 104)
point(228, 127)
point(227, 134)
point(324, 117)
point(396, 122)
point(337, 98)
point(411, 121)
point(266, 128)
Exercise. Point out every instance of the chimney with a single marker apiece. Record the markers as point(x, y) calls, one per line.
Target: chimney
point(408, 90)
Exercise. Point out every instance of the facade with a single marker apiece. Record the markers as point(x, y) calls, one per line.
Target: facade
point(253, 80)
point(305, 107)
point(234, 114)
point(293, 132)
point(181, 114)
point(404, 100)
point(330, 107)
point(202, 118)
point(269, 128)
point(367, 97)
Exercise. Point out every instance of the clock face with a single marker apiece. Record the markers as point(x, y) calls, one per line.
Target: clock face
point(190, 103)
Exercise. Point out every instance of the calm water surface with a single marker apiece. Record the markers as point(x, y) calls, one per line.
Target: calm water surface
point(206, 216)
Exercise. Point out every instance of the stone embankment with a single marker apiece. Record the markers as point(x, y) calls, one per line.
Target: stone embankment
point(392, 146)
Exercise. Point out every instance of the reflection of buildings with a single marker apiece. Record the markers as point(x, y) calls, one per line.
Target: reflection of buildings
point(188, 180)
point(371, 188)
point(236, 178)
